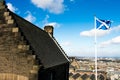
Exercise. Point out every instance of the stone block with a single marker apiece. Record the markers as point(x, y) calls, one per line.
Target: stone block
point(20, 46)
point(35, 67)
point(10, 76)
point(16, 35)
point(19, 77)
point(10, 21)
point(31, 57)
point(23, 47)
point(6, 14)
point(15, 29)
point(8, 17)
point(33, 71)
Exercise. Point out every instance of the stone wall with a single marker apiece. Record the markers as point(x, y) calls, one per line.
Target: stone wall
point(17, 61)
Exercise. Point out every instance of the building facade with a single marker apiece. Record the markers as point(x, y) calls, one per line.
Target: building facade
point(27, 52)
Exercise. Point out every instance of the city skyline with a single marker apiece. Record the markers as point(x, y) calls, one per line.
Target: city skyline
point(73, 22)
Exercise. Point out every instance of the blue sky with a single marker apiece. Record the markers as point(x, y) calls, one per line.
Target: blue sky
point(73, 22)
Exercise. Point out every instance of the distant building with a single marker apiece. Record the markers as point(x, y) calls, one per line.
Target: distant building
point(28, 52)
point(75, 73)
point(74, 63)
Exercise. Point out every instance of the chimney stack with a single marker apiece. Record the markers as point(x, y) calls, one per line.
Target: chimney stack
point(49, 29)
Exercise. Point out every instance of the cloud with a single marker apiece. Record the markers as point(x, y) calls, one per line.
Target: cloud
point(116, 28)
point(30, 17)
point(91, 33)
point(53, 6)
point(46, 22)
point(100, 32)
point(11, 7)
point(113, 41)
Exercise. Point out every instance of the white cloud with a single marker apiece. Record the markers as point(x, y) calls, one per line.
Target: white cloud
point(11, 7)
point(116, 28)
point(46, 22)
point(30, 17)
point(53, 6)
point(100, 32)
point(113, 41)
point(91, 33)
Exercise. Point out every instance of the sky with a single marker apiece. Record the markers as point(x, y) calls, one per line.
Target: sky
point(73, 22)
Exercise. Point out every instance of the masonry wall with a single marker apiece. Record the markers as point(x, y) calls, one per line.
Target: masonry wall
point(17, 61)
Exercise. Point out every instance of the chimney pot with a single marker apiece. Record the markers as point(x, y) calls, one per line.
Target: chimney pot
point(49, 29)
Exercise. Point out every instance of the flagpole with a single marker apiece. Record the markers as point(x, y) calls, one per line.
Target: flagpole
point(95, 47)
point(105, 24)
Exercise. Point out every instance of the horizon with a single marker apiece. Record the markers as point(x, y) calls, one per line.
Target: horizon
point(73, 22)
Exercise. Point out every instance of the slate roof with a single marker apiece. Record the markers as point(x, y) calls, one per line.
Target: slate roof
point(92, 76)
point(70, 74)
point(84, 76)
point(77, 75)
point(45, 47)
point(43, 44)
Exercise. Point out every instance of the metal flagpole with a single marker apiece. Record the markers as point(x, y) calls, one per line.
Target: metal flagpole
point(95, 47)
point(107, 26)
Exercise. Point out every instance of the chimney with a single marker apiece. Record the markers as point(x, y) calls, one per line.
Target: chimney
point(49, 29)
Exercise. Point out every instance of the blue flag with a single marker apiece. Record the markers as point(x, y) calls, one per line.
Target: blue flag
point(102, 24)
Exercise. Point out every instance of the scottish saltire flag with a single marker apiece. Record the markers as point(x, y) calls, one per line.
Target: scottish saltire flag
point(102, 24)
